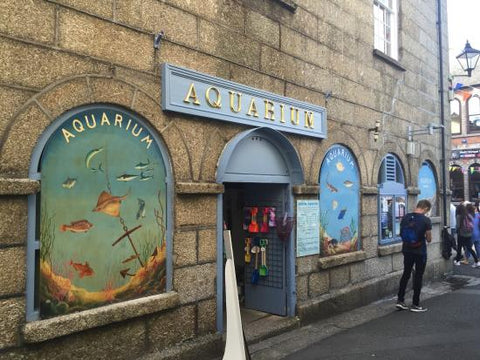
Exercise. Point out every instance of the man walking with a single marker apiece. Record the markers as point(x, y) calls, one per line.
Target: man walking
point(416, 231)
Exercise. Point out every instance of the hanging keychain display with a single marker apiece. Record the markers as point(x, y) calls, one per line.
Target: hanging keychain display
point(253, 227)
point(263, 251)
point(248, 244)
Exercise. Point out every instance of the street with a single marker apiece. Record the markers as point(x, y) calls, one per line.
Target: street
point(450, 329)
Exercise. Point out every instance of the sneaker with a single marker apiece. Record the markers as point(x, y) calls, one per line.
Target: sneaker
point(476, 265)
point(464, 262)
point(401, 305)
point(418, 308)
point(456, 263)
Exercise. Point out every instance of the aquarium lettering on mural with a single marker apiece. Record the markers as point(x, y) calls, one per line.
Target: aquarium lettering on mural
point(90, 121)
point(102, 212)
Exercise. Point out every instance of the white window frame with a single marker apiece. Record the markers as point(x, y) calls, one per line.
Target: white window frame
point(385, 17)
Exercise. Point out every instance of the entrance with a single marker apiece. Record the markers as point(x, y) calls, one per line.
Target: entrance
point(258, 169)
point(251, 212)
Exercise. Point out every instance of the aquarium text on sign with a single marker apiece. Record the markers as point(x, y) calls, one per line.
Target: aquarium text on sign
point(190, 92)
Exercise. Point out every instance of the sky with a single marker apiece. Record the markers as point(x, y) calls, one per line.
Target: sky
point(463, 25)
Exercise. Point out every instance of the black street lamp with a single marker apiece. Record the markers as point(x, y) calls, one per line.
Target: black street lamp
point(468, 59)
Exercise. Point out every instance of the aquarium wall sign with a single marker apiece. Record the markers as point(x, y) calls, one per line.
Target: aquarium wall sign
point(339, 202)
point(307, 227)
point(190, 92)
point(102, 212)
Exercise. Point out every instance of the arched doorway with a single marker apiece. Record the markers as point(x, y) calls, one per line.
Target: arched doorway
point(258, 168)
point(456, 183)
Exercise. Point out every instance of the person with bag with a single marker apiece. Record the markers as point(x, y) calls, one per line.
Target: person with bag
point(476, 230)
point(465, 216)
point(416, 231)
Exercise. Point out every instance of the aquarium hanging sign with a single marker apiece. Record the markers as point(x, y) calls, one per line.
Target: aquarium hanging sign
point(102, 213)
point(187, 91)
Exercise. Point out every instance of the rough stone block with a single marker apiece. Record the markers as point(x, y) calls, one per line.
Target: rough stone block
point(15, 159)
point(33, 20)
point(292, 42)
point(102, 8)
point(195, 60)
point(12, 314)
point(172, 327)
point(153, 16)
point(207, 245)
point(10, 102)
point(207, 316)
point(305, 22)
point(185, 248)
point(302, 288)
point(195, 283)
point(257, 80)
point(229, 45)
point(263, 28)
point(150, 110)
point(13, 220)
point(282, 66)
point(307, 264)
point(148, 83)
point(107, 90)
point(318, 283)
point(371, 268)
point(196, 210)
point(339, 277)
point(121, 45)
point(66, 96)
point(17, 60)
point(12, 271)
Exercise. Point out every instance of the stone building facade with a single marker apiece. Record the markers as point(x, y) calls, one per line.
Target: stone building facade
point(83, 70)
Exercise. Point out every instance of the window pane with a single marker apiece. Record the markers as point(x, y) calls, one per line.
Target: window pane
point(386, 217)
point(399, 213)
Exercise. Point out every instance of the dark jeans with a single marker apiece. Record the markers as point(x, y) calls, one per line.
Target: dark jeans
point(420, 261)
point(467, 243)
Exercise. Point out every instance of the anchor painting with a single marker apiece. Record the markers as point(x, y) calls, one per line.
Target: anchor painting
point(103, 230)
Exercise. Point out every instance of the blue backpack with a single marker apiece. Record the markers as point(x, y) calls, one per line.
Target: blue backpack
point(408, 232)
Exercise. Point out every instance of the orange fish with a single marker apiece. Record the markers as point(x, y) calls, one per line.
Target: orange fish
point(109, 204)
point(78, 226)
point(82, 269)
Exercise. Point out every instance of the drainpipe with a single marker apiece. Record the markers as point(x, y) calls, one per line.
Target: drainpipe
point(442, 112)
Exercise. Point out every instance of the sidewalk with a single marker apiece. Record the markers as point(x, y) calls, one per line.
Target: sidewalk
point(378, 330)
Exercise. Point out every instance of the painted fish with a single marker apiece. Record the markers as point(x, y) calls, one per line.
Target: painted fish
point(340, 166)
point(334, 204)
point(109, 204)
point(97, 169)
point(145, 177)
point(126, 177)
point(342, 214)
point(348, 183)
point(82, 269)
point(141, 209)
point(78, 226)
point(90, 156)
point(141, 166)
point(69, 183)
point(332, 188)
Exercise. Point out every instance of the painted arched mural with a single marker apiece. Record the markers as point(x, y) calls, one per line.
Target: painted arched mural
point(103, 212)
point(428, 186)
point(339, 202)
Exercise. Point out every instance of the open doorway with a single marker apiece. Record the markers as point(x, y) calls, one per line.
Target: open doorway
point(251, 213)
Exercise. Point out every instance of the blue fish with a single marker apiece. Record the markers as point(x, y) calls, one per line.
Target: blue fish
point(342, 214)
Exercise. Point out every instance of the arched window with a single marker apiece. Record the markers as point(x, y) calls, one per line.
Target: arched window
point(339, 202)
point(392, 200)
point(474, 114)
point(427, 182)
point(456, 117)
point(101, 215)
point(456, 183)
point(474, 182)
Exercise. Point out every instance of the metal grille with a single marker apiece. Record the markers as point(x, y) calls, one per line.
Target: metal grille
point(274, 253)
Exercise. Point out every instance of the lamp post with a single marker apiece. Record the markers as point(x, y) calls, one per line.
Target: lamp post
point(468, 59)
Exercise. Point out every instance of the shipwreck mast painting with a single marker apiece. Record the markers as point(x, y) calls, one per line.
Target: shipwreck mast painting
point(339, 202)
point(103, 212)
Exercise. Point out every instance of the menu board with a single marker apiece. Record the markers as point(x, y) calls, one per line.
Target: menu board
point(308, 234)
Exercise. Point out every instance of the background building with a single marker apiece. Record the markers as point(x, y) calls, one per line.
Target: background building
point(133, 132)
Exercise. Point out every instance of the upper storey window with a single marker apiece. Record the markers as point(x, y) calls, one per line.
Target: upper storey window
point(386, 32)
point(474, 114)
point(455, 117)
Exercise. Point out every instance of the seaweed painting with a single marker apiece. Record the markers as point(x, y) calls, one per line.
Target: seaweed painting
point(339, 202)
point(103, 236)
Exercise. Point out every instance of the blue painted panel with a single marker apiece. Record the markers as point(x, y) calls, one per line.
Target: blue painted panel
point(194, 93)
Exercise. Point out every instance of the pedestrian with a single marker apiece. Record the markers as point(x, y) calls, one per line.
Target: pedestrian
point(465, 217)
point(415, 254)
point(476, 230)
